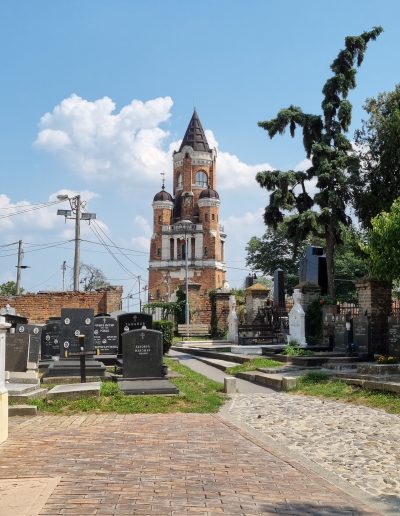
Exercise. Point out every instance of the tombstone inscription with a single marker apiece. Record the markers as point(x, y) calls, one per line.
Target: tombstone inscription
point(105, 335)
point(17, 352)
point(394, 336)
point(132, 321)
point(50, 339)
point(35, 331)
point(361, 335)
point(340, 333)
point(75, 322)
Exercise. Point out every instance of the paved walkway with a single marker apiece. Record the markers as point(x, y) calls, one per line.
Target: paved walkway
point(173, 464)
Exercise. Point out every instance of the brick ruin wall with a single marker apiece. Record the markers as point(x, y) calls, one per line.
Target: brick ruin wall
point(39, 307)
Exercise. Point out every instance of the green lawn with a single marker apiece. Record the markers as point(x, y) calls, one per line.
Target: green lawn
point(252, 365)
point(197, 394)
point(318, 384)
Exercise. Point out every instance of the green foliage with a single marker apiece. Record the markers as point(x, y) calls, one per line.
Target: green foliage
point(378, 184)
point(383, 244)
point(386, 359)
point(176, 309)
point(292, 349)
point(9, 289)
point(167, 329)
point(253, 365)
point(314, 377)
point(333, 163)
point(313, 322)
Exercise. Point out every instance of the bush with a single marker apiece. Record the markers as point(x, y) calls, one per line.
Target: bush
point(167, 329)
point(385, 359)
point(292, 349)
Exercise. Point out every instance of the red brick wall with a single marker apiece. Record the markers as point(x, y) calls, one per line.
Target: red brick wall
point(39, 307)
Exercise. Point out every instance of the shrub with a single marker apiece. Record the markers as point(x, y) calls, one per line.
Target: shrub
point(292, 349)
point(315, 377)
point(385, 359)
point(167, 329)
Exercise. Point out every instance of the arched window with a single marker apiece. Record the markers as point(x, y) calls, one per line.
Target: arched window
point(201, 179)
point(179, 185)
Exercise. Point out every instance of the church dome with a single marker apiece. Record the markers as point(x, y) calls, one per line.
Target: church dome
point(209, 193)
point(163, 196)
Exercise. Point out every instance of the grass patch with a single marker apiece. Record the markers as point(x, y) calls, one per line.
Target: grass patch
point(252, 365)
point(319, 384)
point(197, 394)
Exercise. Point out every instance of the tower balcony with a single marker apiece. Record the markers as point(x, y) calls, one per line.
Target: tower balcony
point(174, 230)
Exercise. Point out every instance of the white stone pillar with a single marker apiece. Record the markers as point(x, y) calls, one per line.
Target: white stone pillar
point(297, 320)
point(3, 388)
point(175, 248)
point(198, 246)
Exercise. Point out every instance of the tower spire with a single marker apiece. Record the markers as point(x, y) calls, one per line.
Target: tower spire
point(194, 135)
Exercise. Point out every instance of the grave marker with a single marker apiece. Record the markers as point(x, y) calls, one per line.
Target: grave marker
point(35, 332)
point(105, 335)
point(341, 342)
point(17, 352)
point(132, 321)
point(50, 339)
point(394, 336)
point(361, 335)
point(142, 353)
point(75, 322)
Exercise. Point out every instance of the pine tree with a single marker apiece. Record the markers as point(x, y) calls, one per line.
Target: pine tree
point(332, 158)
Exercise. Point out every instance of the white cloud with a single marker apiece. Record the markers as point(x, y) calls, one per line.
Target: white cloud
point(141, 243)
point(98, 142)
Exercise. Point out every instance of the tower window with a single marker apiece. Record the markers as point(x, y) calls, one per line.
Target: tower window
point(212, 216)
point(205, 251)
point(159, 218)
point(206, 217)
point(158, 251)
point(201, 179)
point(179, 184)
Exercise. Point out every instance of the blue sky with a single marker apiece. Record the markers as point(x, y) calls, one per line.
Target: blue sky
point(238, 62)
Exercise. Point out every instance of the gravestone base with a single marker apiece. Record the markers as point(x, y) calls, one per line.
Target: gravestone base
point(139, 386)
point(108, 360)
point(23, 377)
point(71, 367)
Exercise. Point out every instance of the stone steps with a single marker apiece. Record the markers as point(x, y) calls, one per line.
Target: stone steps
point(36, 394)
point(276, 381)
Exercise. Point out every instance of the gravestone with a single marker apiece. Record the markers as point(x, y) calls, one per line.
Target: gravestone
point(143, 370)
point(105, 335)
point(313, 269)
point(17, 352)
point(394, 336)
point(297, 330)
point(361, 335)
point(75, 322)
point(340, 332)
point(35, 332)
point(50, 340)
point(279, 289)
point(142, 351)
point(132, 321)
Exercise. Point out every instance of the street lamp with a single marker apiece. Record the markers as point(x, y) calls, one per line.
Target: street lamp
point(76, 206)
point(185, 227)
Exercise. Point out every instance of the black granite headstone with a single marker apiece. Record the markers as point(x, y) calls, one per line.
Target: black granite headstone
point(142, 353)
point(132, 321)
point(279, 288)
point(17, 352)
point(340, 333)
point(105, 337)
point(35, 331)
point(51, 339)
point(361, 335)
point(75, 322)
point(394, 336)
point(312, 268)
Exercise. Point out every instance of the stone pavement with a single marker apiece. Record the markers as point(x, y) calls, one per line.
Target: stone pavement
point(357, 443)
point(171, 464)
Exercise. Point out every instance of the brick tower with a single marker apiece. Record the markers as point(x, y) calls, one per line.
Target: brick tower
point(191, 215)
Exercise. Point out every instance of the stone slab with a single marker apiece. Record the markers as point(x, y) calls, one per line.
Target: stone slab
point(25, 496)
point(246, 350)
point(21, 410)
point(71, 367)
point(74, 391)
point(156, 386)
point(21, 388)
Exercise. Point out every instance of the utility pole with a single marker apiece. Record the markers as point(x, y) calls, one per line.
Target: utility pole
point(76, 205)
point(64, 268)
point(77, 256)
point(19, 267)
point(140, 297)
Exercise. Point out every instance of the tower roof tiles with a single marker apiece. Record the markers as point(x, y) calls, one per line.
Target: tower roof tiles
point(194, 136)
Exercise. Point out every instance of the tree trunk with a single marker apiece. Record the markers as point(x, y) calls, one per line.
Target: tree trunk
point(330, 266)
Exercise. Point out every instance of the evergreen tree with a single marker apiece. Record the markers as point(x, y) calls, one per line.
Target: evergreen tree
point(333, 161)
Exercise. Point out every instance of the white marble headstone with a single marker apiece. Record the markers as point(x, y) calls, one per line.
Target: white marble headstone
point(297, 320)
point(232, 321)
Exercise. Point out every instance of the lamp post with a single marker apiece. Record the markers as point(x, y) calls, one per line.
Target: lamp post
point(76, 206)
point(185, 226)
